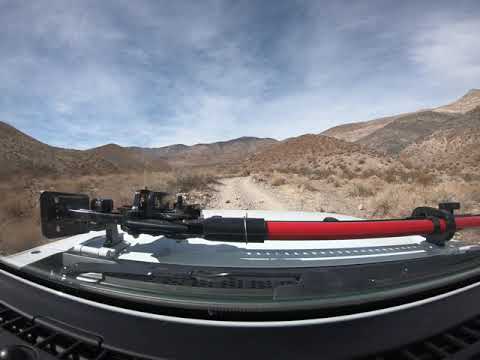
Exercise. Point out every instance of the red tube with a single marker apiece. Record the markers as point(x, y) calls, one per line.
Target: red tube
point(341, 230)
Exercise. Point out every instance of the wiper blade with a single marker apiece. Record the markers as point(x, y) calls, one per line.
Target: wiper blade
point(150, 272)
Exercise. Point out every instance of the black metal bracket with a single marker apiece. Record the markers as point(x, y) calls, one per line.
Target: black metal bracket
point(113, 237)
point(444, 212)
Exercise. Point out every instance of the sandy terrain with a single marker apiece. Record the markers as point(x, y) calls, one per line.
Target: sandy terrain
point(243, 193)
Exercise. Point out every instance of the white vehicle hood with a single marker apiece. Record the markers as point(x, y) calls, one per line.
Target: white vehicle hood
point(197, 251)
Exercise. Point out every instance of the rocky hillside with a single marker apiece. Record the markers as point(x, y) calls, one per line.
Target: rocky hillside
point(355, 131)
point(455, 151)
point(466, 103)
point(317, 154)
point(407, 129)
point(223, 152)
point(128, 159)
point(21, 154)
point(393, 134)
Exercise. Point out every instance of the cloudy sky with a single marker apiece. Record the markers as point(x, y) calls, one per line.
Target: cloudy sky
point(84, 73)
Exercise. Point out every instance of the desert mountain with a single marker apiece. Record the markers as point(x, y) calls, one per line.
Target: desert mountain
point(22, 154)
point(466, 103)
point(223, 152)
point(356, 131)
point(316, 153)
point(393, 134)
point(408, 129)
point(455, 150)
point(407, 135)
point(125, 158)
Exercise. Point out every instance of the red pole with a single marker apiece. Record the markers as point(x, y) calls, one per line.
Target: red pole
point(362, 229)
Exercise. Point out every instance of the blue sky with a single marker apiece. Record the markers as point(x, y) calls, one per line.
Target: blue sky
point(151, 73)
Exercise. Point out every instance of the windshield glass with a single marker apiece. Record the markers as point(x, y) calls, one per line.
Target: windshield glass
point(191, 154)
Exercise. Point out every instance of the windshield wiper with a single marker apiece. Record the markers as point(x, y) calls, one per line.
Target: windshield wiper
point(152, 272)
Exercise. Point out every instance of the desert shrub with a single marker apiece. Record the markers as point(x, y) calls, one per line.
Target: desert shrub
point(244, 172)
point(361, 161)
point(322, 173)
point(348, 174)
point(278, 181)
point(309, 187)
point(424, 178)
point(20, 236)
point(469, 177)
point(286, 170)
point(189, 182)
point(383, 207)
point(361, 190)
point(304, 170)
point(367, 173)
point(394, 175)
point(475, 196)
point(259, 177)
point(403, 176)
point(82, 187)
point(407, 163)
point(389, 175)
point(334, 181)
point(16, 207)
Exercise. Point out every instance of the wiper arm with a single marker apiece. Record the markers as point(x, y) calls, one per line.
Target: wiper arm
point(154, 272)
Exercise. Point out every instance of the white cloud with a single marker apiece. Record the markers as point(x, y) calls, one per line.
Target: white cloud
point(137, 73)
point(448, 49)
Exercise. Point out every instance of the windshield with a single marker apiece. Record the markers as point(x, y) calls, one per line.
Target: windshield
point(206, 155)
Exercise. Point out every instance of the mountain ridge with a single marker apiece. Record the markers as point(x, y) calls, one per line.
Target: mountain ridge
point(395, 133)
point(390, 137)
point(22, 154)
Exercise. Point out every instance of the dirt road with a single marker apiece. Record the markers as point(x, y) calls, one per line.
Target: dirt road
point(243, 193)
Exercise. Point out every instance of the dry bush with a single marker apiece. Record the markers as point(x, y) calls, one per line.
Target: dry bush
point(394, 175)
point(334, 181)
point(83, 187)
point(304, 170)
point(309, 187)
point(346, 173)
point(401, 199)
point(259, 177)
point(20, 236)
point(475, 195)
point(278, 181)
point(423, 178)
point(244, 172)
point(389, 175)
point(386, 203)
point(470, 177)
point(367, 173)
point(189, 182)
point(383, 207)
point(16, 207)
point(407, 163)
point(284, 170)
point(322, 173)
point(361, 190)
point(19, 214)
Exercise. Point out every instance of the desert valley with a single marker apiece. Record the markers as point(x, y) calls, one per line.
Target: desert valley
point(373, 169)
